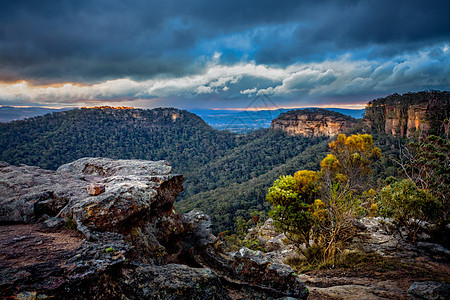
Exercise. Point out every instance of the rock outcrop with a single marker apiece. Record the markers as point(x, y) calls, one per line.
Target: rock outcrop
point(313, 122)
point(376, 237)
point(406, 122)
point(124, 240)
point(410, 115)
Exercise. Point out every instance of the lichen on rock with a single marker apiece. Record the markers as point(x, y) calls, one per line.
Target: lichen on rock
point(136, 245)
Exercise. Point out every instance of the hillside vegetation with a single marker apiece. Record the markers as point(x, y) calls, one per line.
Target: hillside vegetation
point(232, 200)
point(177, 136)
point(226, 175)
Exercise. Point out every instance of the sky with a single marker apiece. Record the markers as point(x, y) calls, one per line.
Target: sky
point(220, 54)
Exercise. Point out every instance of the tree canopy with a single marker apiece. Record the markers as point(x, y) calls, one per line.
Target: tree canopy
point(323, 205)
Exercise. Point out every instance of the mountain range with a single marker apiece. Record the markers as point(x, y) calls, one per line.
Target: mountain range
point(238, 121)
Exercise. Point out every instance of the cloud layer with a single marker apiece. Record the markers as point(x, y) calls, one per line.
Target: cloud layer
point(425, 69)
point(69, 52)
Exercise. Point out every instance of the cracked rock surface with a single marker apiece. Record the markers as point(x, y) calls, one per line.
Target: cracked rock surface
point(60, 239)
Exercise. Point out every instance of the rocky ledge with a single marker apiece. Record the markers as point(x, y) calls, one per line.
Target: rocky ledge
point(101, 228)
point(392, 267)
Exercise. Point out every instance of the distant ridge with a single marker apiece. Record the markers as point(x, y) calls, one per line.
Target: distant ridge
point(11, 113)
point(234, 121)
point(313, 122)
point(245, 121)
point(51, 140)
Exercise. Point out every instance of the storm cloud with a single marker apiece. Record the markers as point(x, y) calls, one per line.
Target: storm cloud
point(93, 51)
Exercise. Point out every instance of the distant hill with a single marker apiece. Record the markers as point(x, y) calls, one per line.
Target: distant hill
point(245, 121)
point(178, 136)
point(313, 122)
point(11, 113)
point(233, 121)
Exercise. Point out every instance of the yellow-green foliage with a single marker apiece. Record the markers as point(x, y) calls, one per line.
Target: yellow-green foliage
point(408, 205)
point(291, 198)
point(110, 250)
point(351, 159)
point(322, 205)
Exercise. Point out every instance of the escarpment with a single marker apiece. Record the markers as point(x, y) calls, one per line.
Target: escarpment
point(102, 228)
point(313, 122)
point(410, 114)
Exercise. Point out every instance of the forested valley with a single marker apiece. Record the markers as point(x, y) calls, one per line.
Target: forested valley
point(227, 175)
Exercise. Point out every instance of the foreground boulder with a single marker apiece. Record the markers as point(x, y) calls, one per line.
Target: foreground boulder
point(102, 228)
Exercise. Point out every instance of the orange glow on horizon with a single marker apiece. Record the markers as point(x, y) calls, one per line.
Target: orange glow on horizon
point(343, 106)
point(107, 107)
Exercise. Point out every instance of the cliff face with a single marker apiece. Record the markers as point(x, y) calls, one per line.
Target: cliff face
point(406, 122)
point(412, 114)
point(313, 122)
point(125, 240)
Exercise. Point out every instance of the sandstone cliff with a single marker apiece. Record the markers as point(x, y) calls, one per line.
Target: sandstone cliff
point(106, 229)
point(313, 122)
point(411, 114)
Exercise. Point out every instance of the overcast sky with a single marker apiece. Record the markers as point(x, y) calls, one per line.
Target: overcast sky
point(220, 54)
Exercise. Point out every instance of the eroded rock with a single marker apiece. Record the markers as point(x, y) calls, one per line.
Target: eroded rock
point(264, 278)
point(136, 245)
point(313, 122)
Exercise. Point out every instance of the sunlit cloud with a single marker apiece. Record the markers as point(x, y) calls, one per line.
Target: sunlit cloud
point(425, 69)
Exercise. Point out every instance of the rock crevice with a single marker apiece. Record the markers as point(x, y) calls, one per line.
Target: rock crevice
point(135, 243)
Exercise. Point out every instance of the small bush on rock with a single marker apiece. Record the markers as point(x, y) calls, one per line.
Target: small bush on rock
point(408, 205)
point(322, 206)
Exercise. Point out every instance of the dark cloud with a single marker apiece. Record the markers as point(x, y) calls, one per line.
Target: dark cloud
point(91, 41)
point(376, 28)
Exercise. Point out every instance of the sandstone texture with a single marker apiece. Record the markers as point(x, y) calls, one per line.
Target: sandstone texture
point(121, 238)
point(313, 122)
point(401, 277)
point(407, 122)
point(410, 115)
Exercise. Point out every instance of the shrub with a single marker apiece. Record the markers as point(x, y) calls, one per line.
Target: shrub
point(341, 184)
point(291, 198)
point(408, 205)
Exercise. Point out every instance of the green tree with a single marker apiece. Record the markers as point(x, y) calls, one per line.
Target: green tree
point(291, 198)
point(408, 205)
point(340, 184)
point(427, 164)
point(344, 177)
point(354, 156)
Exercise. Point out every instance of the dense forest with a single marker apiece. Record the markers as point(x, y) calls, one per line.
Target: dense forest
point(227, 174)
point(232, 200)
point(49, 141)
